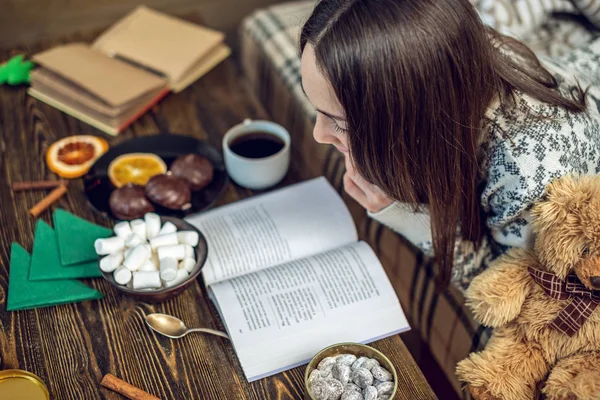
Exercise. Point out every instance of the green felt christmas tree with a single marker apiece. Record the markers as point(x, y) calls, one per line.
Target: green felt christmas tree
point(24, 294)
point(76, 238)
point(45, 259)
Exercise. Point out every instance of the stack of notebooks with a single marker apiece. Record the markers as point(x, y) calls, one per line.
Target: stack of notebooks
point(128, 69)
point(60, 256)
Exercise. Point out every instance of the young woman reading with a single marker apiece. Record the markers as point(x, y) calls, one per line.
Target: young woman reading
point(450, 130)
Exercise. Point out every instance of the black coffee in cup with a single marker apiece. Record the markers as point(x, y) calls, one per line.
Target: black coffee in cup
point(256, 145)
point(256, 153)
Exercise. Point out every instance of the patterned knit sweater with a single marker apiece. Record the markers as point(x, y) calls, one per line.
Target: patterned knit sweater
point(520, 154)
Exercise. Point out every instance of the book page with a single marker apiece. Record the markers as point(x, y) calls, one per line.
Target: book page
point(263, 231)
point(280, 317)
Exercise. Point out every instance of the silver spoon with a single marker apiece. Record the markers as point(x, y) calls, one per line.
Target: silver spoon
point(174, 327)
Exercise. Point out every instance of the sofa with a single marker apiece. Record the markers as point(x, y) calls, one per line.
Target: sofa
point(270, 61)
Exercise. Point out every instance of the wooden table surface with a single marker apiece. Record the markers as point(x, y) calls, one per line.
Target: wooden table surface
point(71, 347)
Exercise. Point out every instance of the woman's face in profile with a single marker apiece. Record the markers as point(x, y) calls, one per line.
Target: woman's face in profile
point(331, 126)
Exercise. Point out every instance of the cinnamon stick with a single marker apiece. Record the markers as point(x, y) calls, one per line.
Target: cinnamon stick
point(131, 392)
point(48, 200)
point(20, 186)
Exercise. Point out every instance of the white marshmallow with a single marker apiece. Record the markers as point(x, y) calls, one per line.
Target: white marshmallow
point(168, 269)
point(133, 240)
point(148, 266)
point(177, 252)
point(189, 252)
point(138, 226)
point(168, 227)
point(146, 280)
point(182, 275)
point(122, 229)
point(111, 262)
point(122, 275)
point(146, 245)
point(154, 259)
point(188, 237)
point(170, 239)
point(108, 246)
point(152, 224)
point(188, 264)
point(136, 258)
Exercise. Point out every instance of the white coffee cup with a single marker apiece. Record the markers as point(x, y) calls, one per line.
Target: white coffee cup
point(257, 173)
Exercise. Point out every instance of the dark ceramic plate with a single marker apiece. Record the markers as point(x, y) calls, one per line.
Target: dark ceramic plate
point(97, 185)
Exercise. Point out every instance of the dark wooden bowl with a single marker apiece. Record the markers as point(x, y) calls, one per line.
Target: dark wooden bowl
point(167, 293)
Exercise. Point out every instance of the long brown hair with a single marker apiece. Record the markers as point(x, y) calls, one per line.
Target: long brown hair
point(415, 78)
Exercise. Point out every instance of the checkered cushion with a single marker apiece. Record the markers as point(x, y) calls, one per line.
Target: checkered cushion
point(270, 60)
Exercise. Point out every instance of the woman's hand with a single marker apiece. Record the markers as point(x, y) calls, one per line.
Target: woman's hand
point(366, 194)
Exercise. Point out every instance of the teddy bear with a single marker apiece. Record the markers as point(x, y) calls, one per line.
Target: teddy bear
point(542, 304)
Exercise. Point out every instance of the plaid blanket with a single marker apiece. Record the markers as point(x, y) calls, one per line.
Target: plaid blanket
point(271, 63)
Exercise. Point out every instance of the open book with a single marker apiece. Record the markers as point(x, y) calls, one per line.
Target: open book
point(128, 69)
point(289, 277)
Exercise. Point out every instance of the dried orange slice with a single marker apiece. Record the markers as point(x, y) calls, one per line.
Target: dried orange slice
point(73, 156)
point(135, 168)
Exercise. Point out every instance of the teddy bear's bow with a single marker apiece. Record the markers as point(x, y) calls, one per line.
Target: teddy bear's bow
point(583, 300)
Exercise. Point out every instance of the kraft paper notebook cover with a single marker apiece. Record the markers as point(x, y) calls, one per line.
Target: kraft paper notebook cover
point(54, 83)
point(127, 70)
point(116, 117)
point(175, 48)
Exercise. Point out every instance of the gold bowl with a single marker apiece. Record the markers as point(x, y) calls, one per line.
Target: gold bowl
point(359, 350)
point(19, 384)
